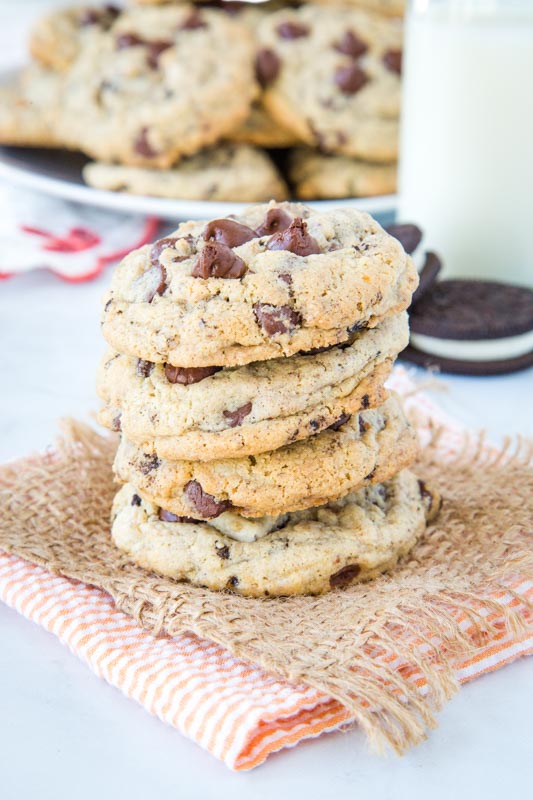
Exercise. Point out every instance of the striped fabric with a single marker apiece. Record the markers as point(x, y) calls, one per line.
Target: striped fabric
point(234, 710)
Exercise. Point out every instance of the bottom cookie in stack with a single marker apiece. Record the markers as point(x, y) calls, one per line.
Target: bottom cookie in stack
point(303, 552)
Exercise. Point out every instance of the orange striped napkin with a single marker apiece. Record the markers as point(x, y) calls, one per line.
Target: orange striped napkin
point(233, 709)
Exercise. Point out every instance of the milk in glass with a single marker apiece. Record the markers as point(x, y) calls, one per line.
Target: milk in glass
point(466, 169)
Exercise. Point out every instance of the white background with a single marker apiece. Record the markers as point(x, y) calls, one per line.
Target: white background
point(66, 734)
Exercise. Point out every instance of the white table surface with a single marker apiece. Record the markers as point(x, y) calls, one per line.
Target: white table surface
point(64, 733)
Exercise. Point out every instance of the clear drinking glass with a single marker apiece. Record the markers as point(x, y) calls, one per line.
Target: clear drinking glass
point(466, 166)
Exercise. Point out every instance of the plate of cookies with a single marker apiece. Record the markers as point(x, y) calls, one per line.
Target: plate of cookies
point(193, 109)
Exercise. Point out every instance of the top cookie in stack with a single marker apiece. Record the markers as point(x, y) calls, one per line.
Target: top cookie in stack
point(292, 280)
point(247, 371)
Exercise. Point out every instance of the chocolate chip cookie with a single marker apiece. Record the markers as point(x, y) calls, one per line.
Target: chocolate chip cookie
point(270, 282)
point(307, 552)
point(227, 172)
point(28, 108)
point(203, 413)
point(392, 8)
point(316, 176)
point(56, 38)
point(154, 87)
point(261, 130)
point(366, 447)
point(334, 78)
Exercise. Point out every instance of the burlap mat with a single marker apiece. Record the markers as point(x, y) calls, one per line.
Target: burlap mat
point(54, 511)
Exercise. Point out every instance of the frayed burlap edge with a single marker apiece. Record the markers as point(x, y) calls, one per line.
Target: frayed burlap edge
point(54, 511)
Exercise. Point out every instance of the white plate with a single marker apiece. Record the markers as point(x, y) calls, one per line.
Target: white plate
point(58, 173)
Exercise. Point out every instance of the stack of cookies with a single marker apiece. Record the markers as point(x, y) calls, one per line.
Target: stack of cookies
point(260, 451)
point(217, 100)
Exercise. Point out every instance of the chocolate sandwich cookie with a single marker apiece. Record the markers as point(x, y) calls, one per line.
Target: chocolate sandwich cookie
point(428, 263)
point(472, 327)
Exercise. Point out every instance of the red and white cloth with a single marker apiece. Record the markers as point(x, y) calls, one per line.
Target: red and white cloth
point(73, 242)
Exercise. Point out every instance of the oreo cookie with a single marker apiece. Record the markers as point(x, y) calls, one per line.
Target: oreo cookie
point(471, 327)
point(407, 234)
point(427, 275)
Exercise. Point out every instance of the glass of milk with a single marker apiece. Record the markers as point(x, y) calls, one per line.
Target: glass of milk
point(466, 166)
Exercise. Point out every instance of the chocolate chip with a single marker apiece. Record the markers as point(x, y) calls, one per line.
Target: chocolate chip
point(136, 500)
point(236, 417)
point(343, 419)
point(315, 351)
point(267, 66)
point(363, 426)
point(188, 375)
point(280, 524)
point(155, 282)
point(222, 552)
point(370, 475)
point(292, 30)
point(231, 7)
point(320, 138)
point(356, 327)
point(154, 51)
point(350, 78)
point(206, 504)
point(348, 342)
point(168, 516)
point(108, 304)
point(351, 45)
point(193, 21)
point(217, 260)
point(142, 146)
point(425, 494)
point(341, 137)
point(116, 424)
point(365, 401)
point(344, 576)
point(126, 40)
point(144, 368)
point(98, 16)
point(295, 239)
point(276, 220)
point(315, 424)
point(408, 235)
point(393, 61)
point(276, 319)
point(148, 462)
point(229, 232)
point(158, 247)
point(233, 581)
point(382, 492)
point(89, 16)
point(286, 277)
